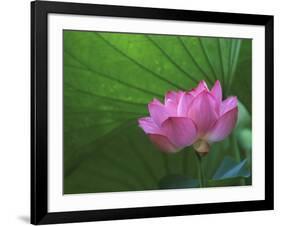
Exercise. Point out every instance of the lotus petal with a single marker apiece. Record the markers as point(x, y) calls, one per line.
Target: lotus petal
point(163, 143)
point(204, 112)
point(184, 104)
point(228, 104)
point(217, 91)
point(157, 112)
point(202, 86)
point(172, 96)
point(149, 127)
point(223, 126)
point(181, 131)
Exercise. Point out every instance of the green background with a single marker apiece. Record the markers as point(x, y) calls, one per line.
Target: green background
point(109, 78)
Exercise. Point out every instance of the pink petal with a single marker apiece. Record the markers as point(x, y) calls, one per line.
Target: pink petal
point(157, 112)
point(149, 126)
point(180, 131)
point(204, 111)
point(217, 91)
point(223, 126)
point(184, 103)
point(228, 104)
point(171, 96)
point(171, 107)
point(202, 86)
point(163, 143)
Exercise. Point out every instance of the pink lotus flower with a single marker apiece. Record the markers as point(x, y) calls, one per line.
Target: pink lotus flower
point(198, 117)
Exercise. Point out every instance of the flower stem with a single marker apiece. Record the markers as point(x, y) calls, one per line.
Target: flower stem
point(200, 171)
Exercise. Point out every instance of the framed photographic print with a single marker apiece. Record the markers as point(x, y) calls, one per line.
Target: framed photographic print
point(145, 112)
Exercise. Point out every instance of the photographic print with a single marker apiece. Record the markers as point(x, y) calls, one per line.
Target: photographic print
point(150, 112)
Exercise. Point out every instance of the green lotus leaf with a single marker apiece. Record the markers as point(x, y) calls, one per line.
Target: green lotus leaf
point(108, 80)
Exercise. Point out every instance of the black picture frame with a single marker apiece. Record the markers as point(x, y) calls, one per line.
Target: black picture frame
point(39, 112)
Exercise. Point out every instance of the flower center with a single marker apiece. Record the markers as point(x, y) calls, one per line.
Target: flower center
point(202, 147)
